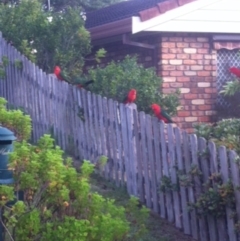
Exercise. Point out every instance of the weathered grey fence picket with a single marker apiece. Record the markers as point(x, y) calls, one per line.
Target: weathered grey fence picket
point(141, 151)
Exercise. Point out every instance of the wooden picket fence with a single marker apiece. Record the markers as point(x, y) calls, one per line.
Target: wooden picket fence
point(141, 151)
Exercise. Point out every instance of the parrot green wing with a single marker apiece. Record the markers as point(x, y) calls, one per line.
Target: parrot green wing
point(65, 76)
point(165, 115)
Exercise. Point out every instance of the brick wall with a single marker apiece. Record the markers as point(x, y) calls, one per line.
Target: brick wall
point(186, 63)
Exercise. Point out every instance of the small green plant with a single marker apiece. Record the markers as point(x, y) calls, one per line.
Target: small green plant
point(216, 198)
point(167, 185)
point(15, 120)
point(5, 61)
point(2, 72)
point(19, 64)
point(226, 132)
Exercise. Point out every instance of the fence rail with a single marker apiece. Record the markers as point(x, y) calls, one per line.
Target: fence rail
point(143, 154)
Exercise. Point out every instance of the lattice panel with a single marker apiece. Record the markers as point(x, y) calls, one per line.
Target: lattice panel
point(225, 60)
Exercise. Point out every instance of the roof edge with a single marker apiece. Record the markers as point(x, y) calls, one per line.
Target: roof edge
point(111, 29)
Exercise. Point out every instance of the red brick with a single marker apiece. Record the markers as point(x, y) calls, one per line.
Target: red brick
point(204, 62)
point(184, 113)
point(202, 51)
point(176, 85)
point(206, 45)
point(204, 73)
point(176, 73)
point(175, 51)
point(191, 107)
point(165, 50)
point(183, 67)
point(210, 90)
point(210, 101)
point(176, 39)
point(189, 61)
point(214, 67)
point(165, 85)
point(204, 96)
point(204, 119)
point(183, 56)
point(168, 56)
point(196, 45)
point(208, 67)
point(168, 67)
point(168, 45)
point(168, 90)
point(208, 56)
point(164, 73)
point(196, 56)
point(190, 96)
point(190, 40)
point(205, 107)
point(183, 79)
point(198, 113)
point(182, 45)
point(197, 90)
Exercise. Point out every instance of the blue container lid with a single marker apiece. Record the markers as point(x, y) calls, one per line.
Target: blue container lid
point(6, 134)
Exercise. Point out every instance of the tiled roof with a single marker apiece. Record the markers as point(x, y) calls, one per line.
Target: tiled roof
point(119, 11)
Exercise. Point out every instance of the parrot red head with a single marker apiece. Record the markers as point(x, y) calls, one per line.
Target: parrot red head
point(133, 92)
point(57, 70)
point(156, 108)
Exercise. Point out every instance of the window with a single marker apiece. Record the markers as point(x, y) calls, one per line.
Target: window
point(225, 60)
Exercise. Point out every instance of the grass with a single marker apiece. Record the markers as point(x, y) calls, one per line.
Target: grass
point(158, 229)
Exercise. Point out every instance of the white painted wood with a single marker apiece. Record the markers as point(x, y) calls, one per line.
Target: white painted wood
point(138, 26)
point(208, 16)
point(197, 26)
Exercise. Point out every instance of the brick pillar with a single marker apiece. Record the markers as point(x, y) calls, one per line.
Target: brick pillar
point(187, 64)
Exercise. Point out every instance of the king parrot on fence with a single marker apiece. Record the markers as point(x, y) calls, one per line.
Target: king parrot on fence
point(161, 114)
point(131, 97)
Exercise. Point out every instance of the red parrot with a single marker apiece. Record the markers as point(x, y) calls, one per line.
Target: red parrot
point(161, 114)
point(131, 97)
point(61, 75)
point(235, 71)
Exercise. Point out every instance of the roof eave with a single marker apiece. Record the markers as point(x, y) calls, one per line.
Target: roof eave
point(111, 29)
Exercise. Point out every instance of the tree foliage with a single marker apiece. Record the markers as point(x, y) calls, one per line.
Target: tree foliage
point(118, 77)
point(47, 38)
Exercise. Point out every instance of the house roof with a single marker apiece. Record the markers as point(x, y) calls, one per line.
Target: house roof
point(117, 19)
point(207, 16)
point(118, 11)
point(135, 16)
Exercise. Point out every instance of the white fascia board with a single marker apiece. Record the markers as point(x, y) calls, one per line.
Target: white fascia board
point(197, 26)
point(138, 25)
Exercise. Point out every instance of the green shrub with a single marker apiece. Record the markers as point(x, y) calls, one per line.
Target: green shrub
point(117, 78)
point(16, 121)
point(226, 132)
point(58, 203)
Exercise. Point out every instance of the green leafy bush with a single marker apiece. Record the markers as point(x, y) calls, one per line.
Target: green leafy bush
point(117, 78)
point(15, 120)
point(226, 132)
point(57, 201)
